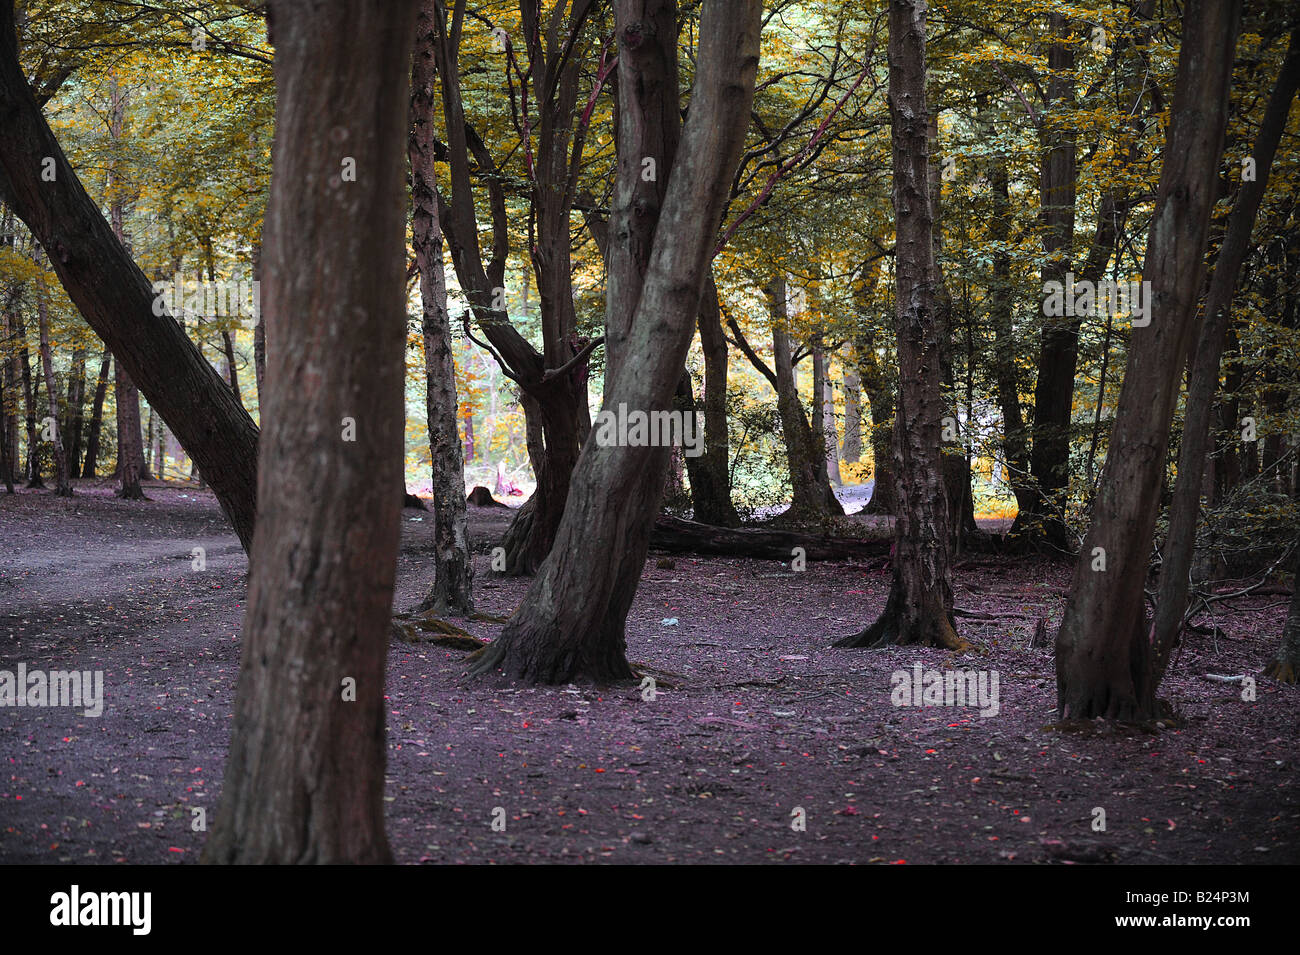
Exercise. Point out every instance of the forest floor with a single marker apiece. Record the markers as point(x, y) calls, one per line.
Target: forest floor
point(755, 725)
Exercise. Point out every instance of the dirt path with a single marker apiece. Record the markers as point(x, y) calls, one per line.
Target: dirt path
point(754, 718)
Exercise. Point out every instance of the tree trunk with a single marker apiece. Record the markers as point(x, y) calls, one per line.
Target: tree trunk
point(33, 470)
point(824, 409)
point(452, 590)
point(1285, 667)
point(571, 623)
point(8, 408)
point(130, 448)
point(852, 412)
point(96, 423)
point(812, 497)
point(304, 782)
point(710, 473)
point(61, 486)
point(1184, 511)
point(919, 606)
point(75, 415)
point(1103, 654)
point(116, 298)
point(880, 389)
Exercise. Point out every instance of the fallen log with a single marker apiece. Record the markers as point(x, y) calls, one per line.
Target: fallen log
point(676, 535)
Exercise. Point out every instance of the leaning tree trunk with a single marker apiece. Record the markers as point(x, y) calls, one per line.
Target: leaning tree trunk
point(130, 448)
point(96, 423)
point(571, 623)
point(1103, 654)
point(116, 298)
point(305, 778)
point(61, 486)
point(919, 607)
point(1184, 511)
point(452, 589)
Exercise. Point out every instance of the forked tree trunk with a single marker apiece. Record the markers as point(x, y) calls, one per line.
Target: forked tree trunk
point(812, 497)
point(571, 623)
point(1184, 511)
point(1103, 653)
point(452, 589)
point(304, 782)
point(919, 607)
point(116, 298)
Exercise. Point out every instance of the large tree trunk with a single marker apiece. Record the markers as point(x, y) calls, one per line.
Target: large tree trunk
point(1103, 654)
point(452, 589)
point(116, 298)
point(130, 447)
point(96, 423)
point(61, 486)
point(919, 607)
point(305, 778)
point(1184, 511)
point(571, 623)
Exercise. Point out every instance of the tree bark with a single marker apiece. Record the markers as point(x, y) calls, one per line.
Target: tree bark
point(76, 405)
point(571, 623)
point(304, 781)
point(96, 423)
point(33, 470)
point(852, 412)
point(452, 590)
point(130, 448)
point(710, 473)
point(61, 486)
point(1184, 511)
point(919, 607)
point(1285, 667)
point(1103, 653)
point(117, 299)
point(812, 497)
point(880, 389)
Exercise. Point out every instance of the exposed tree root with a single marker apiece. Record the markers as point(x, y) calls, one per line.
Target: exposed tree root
point(1282, 670)
point(423, 628)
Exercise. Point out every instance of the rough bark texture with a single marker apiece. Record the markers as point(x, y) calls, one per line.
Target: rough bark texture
point(304, 781)
point(919, 607)
point(116, 298)
point(1184, 511)
point(571, 623)
point(452, 590)
point(130, 446)
point(1103, 665)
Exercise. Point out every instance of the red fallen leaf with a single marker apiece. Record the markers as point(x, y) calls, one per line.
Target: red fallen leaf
point(899, 862)
point(847, 811)
point(174, 849)
point(1171, 823)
